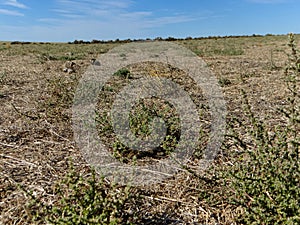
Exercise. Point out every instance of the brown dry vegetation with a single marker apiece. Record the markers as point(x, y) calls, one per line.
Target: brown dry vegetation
point(36, 139)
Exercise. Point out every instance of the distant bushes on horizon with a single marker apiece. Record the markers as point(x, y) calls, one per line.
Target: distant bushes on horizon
point(140, 40)
point(162, 39)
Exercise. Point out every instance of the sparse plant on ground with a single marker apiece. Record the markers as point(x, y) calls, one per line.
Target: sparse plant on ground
point(124, 73)
point(61, 91)
point(5, 46)
point(140, 119)
point(82, 200)
point(228, 51)
point(265, 176)
point(224, 82)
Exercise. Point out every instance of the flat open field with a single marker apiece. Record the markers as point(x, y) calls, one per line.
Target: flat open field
point(36, 136)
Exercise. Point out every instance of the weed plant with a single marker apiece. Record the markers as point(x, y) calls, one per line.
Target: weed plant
point(265, 177)
point(82, 200)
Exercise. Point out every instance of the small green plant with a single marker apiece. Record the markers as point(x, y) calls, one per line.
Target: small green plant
point(265, 177)
point(198, 51)
point(224, 82)
point(61, 91)
point(82, 200)
point(44, 57)
point(231, 51)
point(2, 47)
point(142, 116)
point(124, 73)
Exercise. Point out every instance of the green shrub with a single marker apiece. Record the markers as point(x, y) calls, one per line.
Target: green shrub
point(265, 178)
point(231, 51)
point(82, 200)
point(224, 81)
point(124, 73)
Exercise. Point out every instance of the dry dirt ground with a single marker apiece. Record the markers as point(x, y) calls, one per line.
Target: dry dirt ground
point(36, 139)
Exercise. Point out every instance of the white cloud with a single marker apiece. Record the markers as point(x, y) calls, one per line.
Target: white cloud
point(10, 12)
point(15, 3)
point(124, 26)
point(99, 19)
point(85, 6)
point(48, 20)
point(114, 12)
point(136, 14)
point(165, 20)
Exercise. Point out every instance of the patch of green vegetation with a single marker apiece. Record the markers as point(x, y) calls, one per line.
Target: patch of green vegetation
point(2, 47)
point(81, 200)
point(198, 52)
point(59, 51)
point(61, 93)
point(265, 175)
point(103, 121)
point(140, 119)
point(142, 116)
point(42, 58)
point(224, 81)
point(260, 181)
point(123, 73)
point(230, 51)
point(213, 47)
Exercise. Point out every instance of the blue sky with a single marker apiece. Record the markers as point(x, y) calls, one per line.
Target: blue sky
point(67, 20)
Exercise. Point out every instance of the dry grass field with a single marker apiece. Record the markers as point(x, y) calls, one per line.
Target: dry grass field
point(37, 147)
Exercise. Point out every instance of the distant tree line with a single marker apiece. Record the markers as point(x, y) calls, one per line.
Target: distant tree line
point(162, 39)
point(27, 43)
point(141, 40)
